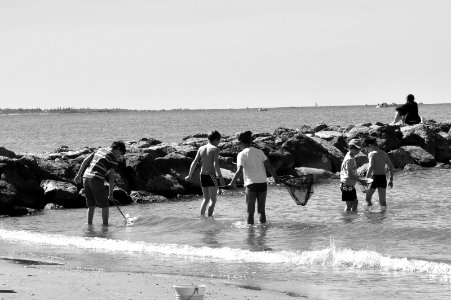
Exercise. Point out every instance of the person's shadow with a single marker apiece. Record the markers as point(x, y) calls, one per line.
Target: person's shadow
point(256, 238)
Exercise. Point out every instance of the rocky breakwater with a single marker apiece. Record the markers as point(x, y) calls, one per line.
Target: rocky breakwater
point(154, 171)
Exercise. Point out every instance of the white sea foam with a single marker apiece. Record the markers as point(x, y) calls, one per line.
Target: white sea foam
point(340, 258)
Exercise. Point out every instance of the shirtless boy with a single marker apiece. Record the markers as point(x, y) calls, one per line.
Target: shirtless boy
point(210, 171)
point(377, 161)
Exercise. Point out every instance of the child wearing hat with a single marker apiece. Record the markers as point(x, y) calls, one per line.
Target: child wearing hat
point(252, 163)
point(349, 177)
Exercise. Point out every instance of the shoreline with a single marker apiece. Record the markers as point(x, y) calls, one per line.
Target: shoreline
point(22, 279)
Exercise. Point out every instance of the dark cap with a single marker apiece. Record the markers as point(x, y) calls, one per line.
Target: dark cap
point(245, 137)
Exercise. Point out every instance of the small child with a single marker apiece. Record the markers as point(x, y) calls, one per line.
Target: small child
point(377, 161)
point(210, 171)
point(348, 176)
point(253, 163)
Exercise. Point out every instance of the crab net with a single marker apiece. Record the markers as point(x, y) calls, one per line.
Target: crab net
point(299, 187)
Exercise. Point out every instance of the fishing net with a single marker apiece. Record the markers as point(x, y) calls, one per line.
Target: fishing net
point(299, 187)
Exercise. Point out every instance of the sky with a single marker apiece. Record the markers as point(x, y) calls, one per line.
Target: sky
point(166, 54)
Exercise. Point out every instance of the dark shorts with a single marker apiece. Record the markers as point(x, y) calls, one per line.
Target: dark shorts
point(207, 180)
point(379, 181)
point(348, 193)
point(257, 187)
point(95, 192)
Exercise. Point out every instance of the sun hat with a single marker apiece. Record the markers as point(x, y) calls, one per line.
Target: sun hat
point(355, 143)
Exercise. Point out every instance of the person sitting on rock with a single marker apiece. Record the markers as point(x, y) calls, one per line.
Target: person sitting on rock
point(376, 170)
point(348, 176)
point(407, 112)
point(94, 170)
point(210, 171)
point(252, 163)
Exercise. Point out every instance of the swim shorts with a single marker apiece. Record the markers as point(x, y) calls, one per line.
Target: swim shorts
point(379, 181)
point(208, 180)
point(95, 192)
point(348, 193)
point(257, 187)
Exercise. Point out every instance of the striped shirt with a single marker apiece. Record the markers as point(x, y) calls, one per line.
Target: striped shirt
point(101, 163)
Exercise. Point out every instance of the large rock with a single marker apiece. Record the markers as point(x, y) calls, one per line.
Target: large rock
point(420, 156)
point(309, 153)
point(328, 135)
point(146, 197)
point(335, 155)
point(62, 193)
point(387, 137)
point(400, 158)
point(317, 173)
point(7, 153)
point(7, 197)
point(425, 137)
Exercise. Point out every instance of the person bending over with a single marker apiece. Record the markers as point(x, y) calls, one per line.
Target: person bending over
point(94, 170)
point(376, 170)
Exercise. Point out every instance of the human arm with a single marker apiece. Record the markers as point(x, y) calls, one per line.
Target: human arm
point(369, 172)
point(193, 166)
point(237, 175)
point(391, 169)
point(83, 167)
point(218, 168)
point(271, 170)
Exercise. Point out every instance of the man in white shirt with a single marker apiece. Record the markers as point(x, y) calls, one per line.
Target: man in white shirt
point(252, 163)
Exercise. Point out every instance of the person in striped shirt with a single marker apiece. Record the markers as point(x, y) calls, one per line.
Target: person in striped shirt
point(94, 171)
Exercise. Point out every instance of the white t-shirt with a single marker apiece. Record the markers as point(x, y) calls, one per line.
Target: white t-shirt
point(253, 168)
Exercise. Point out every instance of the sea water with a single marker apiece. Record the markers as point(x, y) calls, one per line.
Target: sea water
point(315, 252)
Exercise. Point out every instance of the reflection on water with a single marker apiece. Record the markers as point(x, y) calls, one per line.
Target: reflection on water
point(256, 238)
point(100, 232)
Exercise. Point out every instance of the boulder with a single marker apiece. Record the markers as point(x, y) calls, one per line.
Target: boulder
point(328, 135)
point(424, 136)
point(62, 193)
point(146, 197)
point(317, 173)
point(400, 158)
point(283, 134)
point(319, 127)
point(361, 159)
point(120, 195)
point(387, 137)
point(7, 153)
point(420, 156)
point(7, 197)
point(308, 153)
point(334, 154)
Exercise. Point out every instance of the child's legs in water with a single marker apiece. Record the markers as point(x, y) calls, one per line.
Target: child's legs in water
point(369, 196)
point(251, 197)
point(261, 202)
point(207, 197)
point(213, 196)
point(382, 196)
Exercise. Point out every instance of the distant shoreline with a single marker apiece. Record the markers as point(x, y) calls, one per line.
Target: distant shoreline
point(69, 110)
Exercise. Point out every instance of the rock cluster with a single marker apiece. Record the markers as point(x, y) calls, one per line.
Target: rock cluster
point(154, 171)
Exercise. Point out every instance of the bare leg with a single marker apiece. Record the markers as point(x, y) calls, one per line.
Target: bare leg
point(348, 205)
point(91, 210)
point(261, 202)
point(213, 192)
point(203, 206)
point(369, 196)
point(382, 196)
point(105, 215)
point(251, 197)
point(355, 204)
point(397, 118)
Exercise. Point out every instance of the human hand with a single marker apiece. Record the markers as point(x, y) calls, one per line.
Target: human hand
point(111, 198)
point(390, 183)
point(77, 179)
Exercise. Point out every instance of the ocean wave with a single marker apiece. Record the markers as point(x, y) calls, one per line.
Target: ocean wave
point(328, 257)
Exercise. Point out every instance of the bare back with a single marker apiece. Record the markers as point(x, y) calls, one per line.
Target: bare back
point(208, 154)
point(377, 160)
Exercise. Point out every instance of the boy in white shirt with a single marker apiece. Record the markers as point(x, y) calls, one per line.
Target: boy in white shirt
point(252, 163)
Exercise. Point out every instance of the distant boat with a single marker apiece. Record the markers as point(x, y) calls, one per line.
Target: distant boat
point(385, 104)
point(316, 104)
point(262, 109)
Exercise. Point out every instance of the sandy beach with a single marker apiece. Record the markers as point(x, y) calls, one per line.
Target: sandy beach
point(24, 280)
